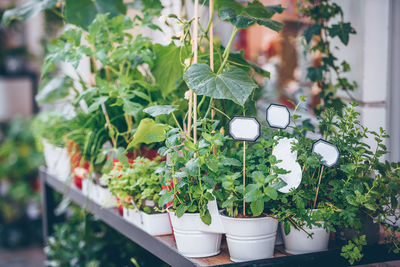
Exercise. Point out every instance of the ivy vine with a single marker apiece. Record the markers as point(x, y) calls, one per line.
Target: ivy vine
point(328, 74)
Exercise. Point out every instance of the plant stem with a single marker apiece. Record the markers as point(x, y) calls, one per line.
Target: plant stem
point(319, 182)
point(227, 50)
point(177, 123)
point(220, 111)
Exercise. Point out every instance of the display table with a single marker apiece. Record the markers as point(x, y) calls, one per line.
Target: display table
point(164, 247)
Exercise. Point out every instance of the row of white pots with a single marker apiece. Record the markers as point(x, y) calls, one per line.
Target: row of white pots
point(247, 238)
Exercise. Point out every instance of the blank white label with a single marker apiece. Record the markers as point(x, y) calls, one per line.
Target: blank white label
point(244, 128)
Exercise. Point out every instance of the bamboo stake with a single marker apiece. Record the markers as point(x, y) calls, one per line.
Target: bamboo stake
point(319, 182)
point(211, 31)
point(244, 176)
point(195, 48)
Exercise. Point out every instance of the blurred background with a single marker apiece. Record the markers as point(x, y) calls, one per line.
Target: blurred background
point(373, 53)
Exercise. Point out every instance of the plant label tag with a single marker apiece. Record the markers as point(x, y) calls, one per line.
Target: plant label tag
point(283, 152)
point(278, 116)
point(244, 128)
point(328, 151)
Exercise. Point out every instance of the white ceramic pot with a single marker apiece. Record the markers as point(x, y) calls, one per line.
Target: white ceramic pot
point(154, 224)
point(192, 242)
point(57, 160)
point(298, 242)
point(101, 196)
point(104, 197)
point(250, 238)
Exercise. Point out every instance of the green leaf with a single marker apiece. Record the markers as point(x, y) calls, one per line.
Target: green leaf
point(233, 83)
point(257, 207)
point(271, 192)
point(168, 67)
point(310, 31)
point(180, 210)
point(148, 132)
point(97, 103)
point(239, 60)
point(315, 74)
point(244, 16)
point(286, 228)
point(212, 164)
point(253, 195)
point(132, 108)
point(54, 89)
point(158, 110)
point(231, 162)
point(83, 12)
point(343, 31)
point(167, 197)
point(27, 10)
point(206, 217)
point(209, 196)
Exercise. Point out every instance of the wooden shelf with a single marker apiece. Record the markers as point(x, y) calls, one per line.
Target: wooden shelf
point(164, 246)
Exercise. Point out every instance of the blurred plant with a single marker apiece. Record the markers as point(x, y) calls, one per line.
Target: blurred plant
point(19, 185)
point(83, 241)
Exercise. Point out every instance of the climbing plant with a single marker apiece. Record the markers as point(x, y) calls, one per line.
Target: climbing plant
point(328, 73)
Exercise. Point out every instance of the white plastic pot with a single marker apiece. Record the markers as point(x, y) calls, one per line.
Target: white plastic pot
point(250, 238)
point(298, 242)
point(101, 196)
point(57, 160)
point(192, 236)
point(154, 224)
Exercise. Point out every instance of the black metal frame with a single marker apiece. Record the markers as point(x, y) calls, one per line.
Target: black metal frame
point(372, 254)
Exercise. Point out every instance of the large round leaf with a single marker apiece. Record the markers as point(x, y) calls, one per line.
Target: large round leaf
point(232, 83)
point(83, 12)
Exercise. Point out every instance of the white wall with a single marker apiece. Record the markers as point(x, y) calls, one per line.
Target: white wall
point(368, 56)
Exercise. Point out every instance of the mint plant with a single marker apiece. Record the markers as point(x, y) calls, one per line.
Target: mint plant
point(192, 170)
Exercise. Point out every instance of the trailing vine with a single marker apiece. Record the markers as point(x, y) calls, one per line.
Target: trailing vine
point(328, 72)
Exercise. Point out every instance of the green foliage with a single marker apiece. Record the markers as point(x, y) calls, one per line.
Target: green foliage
point(155, 111)
point(83, 12)
point(192, 179)
point(262, 181)
point(352, 251)
point(232, 83)
point(243, 17)
point(27, 10)
point(53, 90)
point(137, 182)
point(148, 132)
point(19, 163)
point(168, 67)
point(84, 241)
point(322, 13)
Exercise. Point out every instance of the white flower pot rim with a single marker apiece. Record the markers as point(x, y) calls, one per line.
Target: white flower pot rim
point(249, 219)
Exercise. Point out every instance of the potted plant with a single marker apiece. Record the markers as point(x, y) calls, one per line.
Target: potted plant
point(191, 181)
point(363, 189)
point(305, 214)
point(48, 129)
point(249, 214)
point(138, 187)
